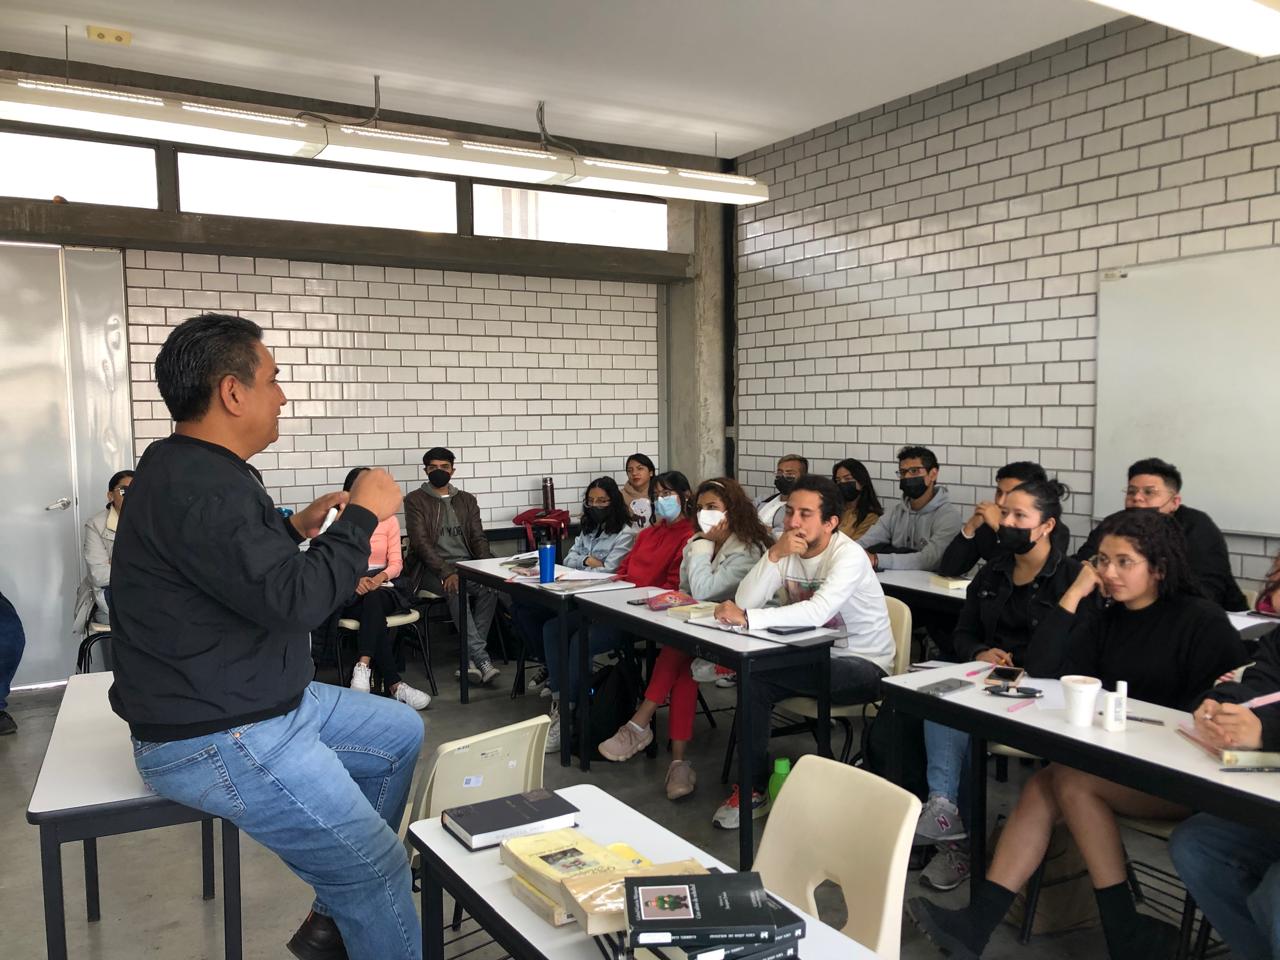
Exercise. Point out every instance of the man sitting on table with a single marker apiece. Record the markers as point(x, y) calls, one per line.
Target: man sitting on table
point(212, 608)
point(772, 509)
point(1157, 485)
point(444, 528)
point(913, 533)
point(822, 579)
point(977, 538)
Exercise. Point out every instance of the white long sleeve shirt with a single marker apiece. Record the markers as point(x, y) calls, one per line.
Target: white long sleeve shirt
point(836, 589)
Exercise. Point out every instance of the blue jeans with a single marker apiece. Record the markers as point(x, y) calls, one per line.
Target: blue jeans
point(1233, 871)
point(324, 788)
point(12, 642)
point(946, 750)
point(603, 639)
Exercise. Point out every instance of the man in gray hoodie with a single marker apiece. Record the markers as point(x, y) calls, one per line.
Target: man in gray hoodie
point(914, 532)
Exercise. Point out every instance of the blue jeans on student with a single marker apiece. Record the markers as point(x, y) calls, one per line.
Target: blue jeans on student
point(603, 639)
point(1233, 871)
point(324, 788)
point(946, 750)
point(12, 642)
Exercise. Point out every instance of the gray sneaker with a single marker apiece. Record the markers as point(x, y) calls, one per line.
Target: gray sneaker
point(486, 670)
point(948, 869)
point(553, 732)
point(940, 820)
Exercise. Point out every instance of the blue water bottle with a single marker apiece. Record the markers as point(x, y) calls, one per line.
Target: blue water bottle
point(546, 562)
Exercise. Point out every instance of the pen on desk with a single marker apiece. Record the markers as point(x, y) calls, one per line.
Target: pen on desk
point(1151, 720)
point(974, 673)
point(1021, 706)
point(1249, 769)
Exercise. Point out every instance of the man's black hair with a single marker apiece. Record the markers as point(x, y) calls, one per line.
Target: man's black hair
point(198, 354)
point(1155, 467)
point(116, 478)
point(438, 453)
point(832, 502)
point(1024, 471)
point(923, 454)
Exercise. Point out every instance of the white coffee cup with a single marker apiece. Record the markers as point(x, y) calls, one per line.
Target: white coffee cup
point(1080, 693)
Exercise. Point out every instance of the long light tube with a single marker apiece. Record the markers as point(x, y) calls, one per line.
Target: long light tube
point(1249, 25)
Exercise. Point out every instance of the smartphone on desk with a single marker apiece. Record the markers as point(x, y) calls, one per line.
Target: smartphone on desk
point(944, 688)
point(638, 602)
point(788, 631)
point(1009, 676)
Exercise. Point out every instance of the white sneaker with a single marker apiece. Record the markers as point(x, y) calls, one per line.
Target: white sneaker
point(412, 696)
point(940, 820)
point(546, 692)
point(361, 677)
point(704, 671)
point(726, 680)
point(728, 816)
point(484, 671)
point(538, 680)
point(553, 732)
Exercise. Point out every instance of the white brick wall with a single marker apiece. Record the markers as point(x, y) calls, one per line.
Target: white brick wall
point(522, 377)
point(926, 271)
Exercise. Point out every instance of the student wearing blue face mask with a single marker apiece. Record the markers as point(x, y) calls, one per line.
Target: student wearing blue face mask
point(654, 561)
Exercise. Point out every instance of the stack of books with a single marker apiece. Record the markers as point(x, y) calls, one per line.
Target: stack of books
point(719, 916)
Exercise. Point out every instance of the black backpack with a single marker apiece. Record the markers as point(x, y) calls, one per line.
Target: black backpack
point(615, 691)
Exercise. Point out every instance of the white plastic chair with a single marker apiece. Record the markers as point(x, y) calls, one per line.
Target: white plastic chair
point(864, 846)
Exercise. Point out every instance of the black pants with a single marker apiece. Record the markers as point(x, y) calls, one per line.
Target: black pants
point(853, 680)
point(374, 639)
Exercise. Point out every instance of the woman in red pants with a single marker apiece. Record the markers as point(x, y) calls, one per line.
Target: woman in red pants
point(731, 540)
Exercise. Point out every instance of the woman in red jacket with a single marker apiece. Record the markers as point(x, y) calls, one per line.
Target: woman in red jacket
point(654, 561)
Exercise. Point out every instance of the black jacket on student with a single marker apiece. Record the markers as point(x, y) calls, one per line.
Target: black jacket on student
point(1206, 552)
point(1026, 622)
point(1262, 677)
point(963, 553)
point(212, 602)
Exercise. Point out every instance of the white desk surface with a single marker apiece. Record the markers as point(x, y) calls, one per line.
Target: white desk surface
point(917, 580)
point(89, 760)
point(604, 820)
point(1140, 741)
point(1250, 626)
point(493, 567)
point(616, 600)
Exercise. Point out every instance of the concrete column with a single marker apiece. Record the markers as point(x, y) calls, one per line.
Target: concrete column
point(694, 382)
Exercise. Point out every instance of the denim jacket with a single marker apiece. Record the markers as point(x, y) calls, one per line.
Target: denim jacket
point(609, 548)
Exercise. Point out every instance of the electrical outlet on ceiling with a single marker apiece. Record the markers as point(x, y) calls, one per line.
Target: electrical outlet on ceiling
point(111, 35)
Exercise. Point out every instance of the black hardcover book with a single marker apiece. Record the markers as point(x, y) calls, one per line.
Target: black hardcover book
point(768, 951)
point(718, 908)
point(487, 824)
point(790, 928)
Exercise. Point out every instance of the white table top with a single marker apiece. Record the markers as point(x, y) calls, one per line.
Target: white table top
point(1139, 741)
point(493, 567)
point(616, 600)
point(605, 820)
point(1251, 626)
point(89, 760)
point(917, 580)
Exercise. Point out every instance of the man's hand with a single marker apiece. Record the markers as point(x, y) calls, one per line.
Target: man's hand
point(308, 520)
point(378, 493)
point(730, 613)
point(996, 656)
point(1229, 725)
point(593, 562)
point(366, 585)
point(791, 542)
point(451, 583)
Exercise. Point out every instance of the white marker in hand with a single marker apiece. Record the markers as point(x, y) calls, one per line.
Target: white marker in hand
point(329, 517)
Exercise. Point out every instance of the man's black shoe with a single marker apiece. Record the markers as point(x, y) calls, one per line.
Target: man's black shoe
point(318, 939)
point(7, 724)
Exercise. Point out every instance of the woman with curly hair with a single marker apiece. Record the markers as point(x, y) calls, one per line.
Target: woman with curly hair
point(731, 539)
point(1169, 643)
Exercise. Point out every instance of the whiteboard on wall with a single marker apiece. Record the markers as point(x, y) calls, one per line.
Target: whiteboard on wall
point(1189, 371)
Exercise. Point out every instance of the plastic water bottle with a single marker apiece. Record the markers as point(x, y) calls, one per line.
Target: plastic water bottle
point(781, 770)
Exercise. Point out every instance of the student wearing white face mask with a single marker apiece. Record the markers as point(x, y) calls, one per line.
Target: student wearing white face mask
point(730, 541)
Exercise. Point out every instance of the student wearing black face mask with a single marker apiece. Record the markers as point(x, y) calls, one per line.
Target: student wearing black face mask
point(861, 505)
point(915, 531)
point(605, 538)
point(1011, 617)
point(1157, 486)
point(770, 509)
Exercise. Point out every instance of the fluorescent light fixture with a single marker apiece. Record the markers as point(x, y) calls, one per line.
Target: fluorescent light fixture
point(593, 173)
point(408, 151)
point(1249, 25)
point(137, 115)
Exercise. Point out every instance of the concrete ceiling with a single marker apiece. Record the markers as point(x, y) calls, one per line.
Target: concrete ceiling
point(667, 74)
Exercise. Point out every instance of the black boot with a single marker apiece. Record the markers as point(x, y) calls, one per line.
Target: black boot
point(1129, 934)
point(7, 724)
point(317, 939)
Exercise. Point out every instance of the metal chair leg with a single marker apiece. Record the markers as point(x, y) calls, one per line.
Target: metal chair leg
point(706, 710)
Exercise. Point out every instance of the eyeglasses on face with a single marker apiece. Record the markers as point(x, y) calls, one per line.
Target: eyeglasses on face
point(911, 472)
point(1148, 492)
point(1123, 564)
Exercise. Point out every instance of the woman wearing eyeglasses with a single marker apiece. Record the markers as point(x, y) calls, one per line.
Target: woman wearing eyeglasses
point(99, 539)
point(1169, 643)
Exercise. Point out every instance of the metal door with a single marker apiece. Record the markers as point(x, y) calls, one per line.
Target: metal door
point(62, 364)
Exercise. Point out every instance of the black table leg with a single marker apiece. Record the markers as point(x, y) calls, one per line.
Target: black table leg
point(232, 944)
point(464, 681)
point(432, 914)
point(583, 693)
point(55, 924)
point(91, 879)
point(206, 856)
point(824, 703)
point(746, 825)
point(566, 715)
point(977, 815)
point(650, 658)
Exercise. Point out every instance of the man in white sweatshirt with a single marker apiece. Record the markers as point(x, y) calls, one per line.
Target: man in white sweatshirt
point(820, 578)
